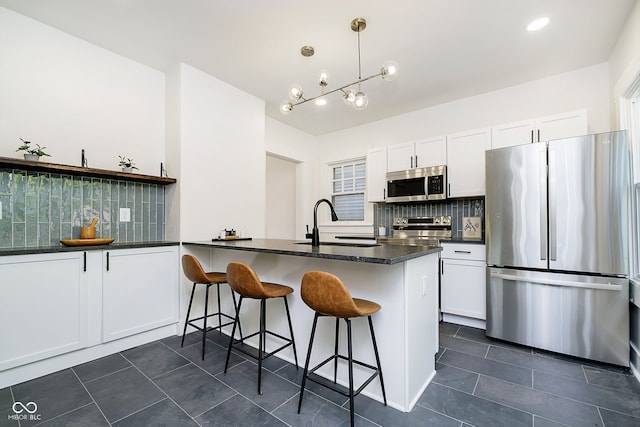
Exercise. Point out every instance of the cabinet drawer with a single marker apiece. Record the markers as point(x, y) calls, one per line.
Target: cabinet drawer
point(463, 251)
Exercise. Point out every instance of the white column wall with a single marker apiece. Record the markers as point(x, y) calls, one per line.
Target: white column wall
point(222, 158)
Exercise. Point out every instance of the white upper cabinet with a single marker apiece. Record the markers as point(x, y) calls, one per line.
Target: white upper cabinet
point(564, 125)
point(400, 156)
point(376, 174)
point(417, 154)
point(573, 123)
point(465, 162)
point(431, 152)
point(511, 134)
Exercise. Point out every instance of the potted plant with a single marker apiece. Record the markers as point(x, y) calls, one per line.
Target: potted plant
point(32, 153)
point(127, 164)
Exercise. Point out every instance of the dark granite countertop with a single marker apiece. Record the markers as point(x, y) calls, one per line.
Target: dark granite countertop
point(379, 254)
point(62, 248)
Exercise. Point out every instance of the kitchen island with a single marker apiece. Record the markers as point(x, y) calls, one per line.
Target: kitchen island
point(402, 279)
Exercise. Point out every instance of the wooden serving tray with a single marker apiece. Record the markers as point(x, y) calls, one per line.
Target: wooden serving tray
point(87, 242)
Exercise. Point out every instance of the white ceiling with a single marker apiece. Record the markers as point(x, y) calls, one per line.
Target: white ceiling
point(446, 49)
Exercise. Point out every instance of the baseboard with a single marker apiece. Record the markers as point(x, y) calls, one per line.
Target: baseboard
point(464, 321)
point(50, 365)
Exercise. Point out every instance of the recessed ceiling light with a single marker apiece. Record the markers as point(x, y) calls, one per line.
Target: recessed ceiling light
point(321, 101)
point(538, 24)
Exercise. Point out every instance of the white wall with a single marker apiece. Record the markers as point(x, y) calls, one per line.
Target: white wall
point(66, 94)
point(222, 158)
point(624, 61)
point(587, 87)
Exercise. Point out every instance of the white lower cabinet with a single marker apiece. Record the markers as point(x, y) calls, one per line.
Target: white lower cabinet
point(57, 303)
point(139, 290)
point(44, 306)
point(462, 280)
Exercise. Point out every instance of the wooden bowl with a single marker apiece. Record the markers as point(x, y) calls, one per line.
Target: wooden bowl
point(87, 232)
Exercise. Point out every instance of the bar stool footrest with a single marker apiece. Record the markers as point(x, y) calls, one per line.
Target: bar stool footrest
point(251, 353)
point(191, 323)
point(335, 386)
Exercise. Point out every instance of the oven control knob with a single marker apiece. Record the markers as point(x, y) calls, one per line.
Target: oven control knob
point(437, 221)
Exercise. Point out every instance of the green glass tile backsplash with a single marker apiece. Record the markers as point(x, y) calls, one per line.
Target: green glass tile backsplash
point(40, 209)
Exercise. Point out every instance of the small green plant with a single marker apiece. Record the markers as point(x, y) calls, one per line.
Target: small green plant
point(27, 148)
point(126, 162)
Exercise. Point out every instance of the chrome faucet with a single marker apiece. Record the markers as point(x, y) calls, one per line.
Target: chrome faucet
point(315, 234)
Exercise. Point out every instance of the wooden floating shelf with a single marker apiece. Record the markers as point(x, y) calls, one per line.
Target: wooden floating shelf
point(40, 166)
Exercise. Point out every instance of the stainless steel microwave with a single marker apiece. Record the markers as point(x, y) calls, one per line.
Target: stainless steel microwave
point(417, 185)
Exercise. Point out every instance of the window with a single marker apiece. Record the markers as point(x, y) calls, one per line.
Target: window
point(348, 186)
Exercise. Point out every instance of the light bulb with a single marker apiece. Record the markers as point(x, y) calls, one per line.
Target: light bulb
point(360, 101)
point(348, 96)
point(389, 70)
point(286, 107)
point(538, 24)
point(295, 92)
point(322, 78)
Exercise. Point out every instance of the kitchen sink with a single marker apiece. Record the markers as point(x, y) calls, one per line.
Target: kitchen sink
point(353, 245)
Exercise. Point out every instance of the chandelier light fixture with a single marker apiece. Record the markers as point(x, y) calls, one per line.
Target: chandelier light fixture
point(351, 95)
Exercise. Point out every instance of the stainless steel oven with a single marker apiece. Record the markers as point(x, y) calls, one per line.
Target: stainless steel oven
point(417, 185)
point(419, 231)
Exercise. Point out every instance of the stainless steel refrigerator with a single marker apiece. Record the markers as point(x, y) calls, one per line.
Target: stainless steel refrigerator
point(557, 226)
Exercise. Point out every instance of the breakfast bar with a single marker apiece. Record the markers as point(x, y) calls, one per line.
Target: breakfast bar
point(402, 279)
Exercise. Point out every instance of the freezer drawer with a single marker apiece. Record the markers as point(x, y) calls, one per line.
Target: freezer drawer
point(583, 316)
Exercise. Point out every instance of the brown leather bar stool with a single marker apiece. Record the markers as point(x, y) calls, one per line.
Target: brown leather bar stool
point(246, 283)
point(194, 272)
point(327, 295)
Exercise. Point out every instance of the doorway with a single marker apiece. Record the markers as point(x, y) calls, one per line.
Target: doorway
point(280, 198)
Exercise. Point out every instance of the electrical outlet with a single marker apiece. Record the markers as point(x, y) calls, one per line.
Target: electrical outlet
point(125, 215)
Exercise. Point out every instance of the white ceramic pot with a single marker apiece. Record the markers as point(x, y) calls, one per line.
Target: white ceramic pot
point(129, 170)
point(31, 157)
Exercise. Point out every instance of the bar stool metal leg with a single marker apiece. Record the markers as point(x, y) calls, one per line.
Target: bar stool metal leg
point(375, 351)
point(261, 342)
point(186, 322)
point(293, 343)
point(335, 351)
point(306, 363)
point(204, 324)
point(233, 333)
point(350, 354)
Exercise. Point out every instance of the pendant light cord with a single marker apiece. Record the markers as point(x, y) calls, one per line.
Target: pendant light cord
point(359, 66)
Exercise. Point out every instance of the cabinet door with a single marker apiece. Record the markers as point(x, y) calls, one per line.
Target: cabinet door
point(140, 290)
point(463, 288)
point(376, 174)
point(510, 134)
point(400, 156)
point(431, 152)
point(465, 162)
point(44, 306)
point(565, 125)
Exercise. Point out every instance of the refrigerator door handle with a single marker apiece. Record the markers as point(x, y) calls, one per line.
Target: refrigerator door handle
point(542, 164)
point(553, 229)
point(556, 282)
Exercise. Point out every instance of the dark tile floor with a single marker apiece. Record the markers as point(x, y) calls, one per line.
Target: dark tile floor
point(479, 382)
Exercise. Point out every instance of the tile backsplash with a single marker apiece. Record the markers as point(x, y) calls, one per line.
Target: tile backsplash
point(457, 208)
point(40, 209)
